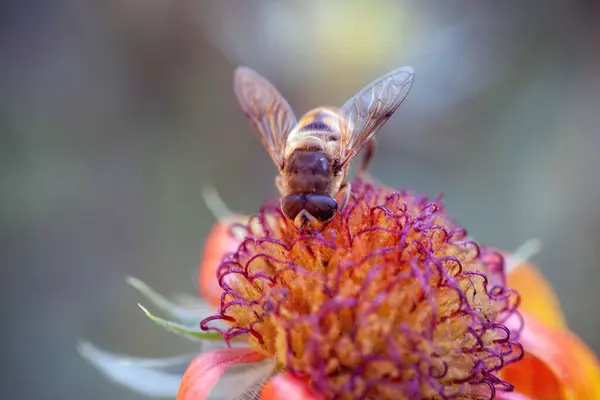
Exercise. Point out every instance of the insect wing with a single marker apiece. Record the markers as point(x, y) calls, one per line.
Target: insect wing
point(269, 113)
point(370, 108)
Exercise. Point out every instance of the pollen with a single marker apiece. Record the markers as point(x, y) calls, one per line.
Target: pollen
point(390, 300)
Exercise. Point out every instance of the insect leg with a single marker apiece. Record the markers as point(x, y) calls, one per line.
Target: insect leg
point(280, 185)
point(343, 196)
point(368, 153)
point(303, 218)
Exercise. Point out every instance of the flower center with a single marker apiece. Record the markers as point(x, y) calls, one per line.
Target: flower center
point(390, 300)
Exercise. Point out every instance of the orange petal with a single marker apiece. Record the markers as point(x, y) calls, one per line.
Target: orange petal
point(206, 369)
point(557, 364)
point(286, 386)
point(219, 242)
point(537, 296)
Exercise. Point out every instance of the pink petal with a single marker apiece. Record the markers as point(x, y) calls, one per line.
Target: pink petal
point(286, 386)
point(206, 369)
point(219, 242)
point(512, 396)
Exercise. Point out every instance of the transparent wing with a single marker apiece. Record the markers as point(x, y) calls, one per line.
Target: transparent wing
point(370, 108)
point(269, 113)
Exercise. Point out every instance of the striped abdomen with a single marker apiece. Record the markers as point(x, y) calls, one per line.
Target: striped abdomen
point(317, 130)
point(323, 119)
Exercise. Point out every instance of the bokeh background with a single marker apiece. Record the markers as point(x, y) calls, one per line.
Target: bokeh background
point(115, 114)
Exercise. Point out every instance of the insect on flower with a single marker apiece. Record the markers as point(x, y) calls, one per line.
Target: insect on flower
point(313, 154)
point(392, 301)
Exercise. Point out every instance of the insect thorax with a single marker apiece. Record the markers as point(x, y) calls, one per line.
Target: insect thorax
point(308, 171)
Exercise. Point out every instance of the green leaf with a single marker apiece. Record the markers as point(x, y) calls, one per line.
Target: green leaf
point(141, 375)
point(523, 254)
point(192, 333)
point(189, 313)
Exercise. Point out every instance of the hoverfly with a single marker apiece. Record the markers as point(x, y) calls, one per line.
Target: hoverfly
point(313, 154)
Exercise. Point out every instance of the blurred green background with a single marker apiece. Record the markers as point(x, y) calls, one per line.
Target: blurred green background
point(115, 114)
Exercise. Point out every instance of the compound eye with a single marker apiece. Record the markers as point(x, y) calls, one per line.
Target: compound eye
point(321, 207)
point(291, 205)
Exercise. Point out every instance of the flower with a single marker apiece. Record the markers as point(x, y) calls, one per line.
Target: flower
point(390, 300)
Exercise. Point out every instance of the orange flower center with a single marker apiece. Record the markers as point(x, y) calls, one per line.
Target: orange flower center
point(389, 300)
